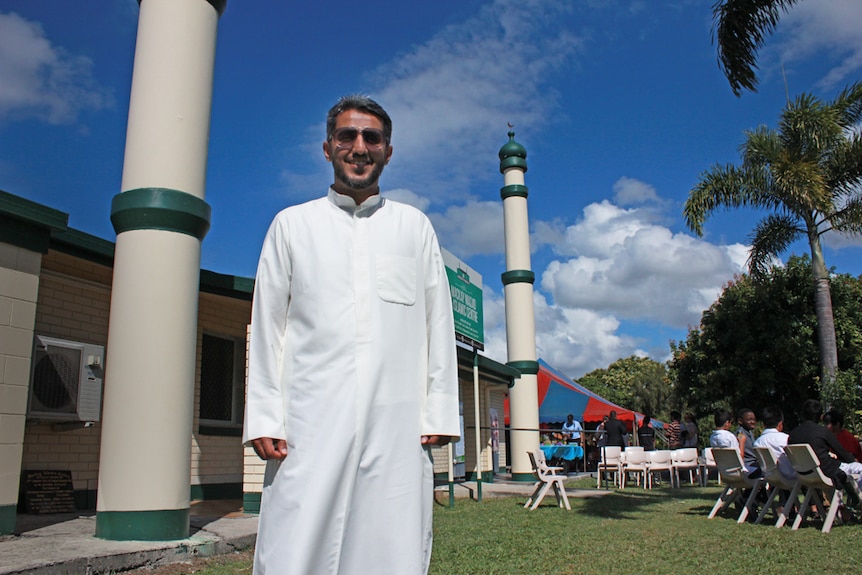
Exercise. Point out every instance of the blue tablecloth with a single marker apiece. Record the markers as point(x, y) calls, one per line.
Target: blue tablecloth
point(567, 452)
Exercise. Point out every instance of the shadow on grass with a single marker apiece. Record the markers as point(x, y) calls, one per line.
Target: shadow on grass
point(630, 503)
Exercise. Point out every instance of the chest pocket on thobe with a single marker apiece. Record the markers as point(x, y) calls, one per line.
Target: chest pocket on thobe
point(396, 279)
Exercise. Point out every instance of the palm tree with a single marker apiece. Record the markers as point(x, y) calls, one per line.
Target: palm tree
point(808, 173)
point(740, 28)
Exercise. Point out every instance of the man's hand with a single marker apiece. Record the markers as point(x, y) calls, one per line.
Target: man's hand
point(269, 448)
point(436, 440)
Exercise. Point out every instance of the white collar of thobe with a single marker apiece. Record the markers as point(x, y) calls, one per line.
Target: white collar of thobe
point(346, 203)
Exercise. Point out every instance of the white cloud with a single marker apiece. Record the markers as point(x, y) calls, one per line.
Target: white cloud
point(573, 341)
point(41, 80)
point(625, 265)
point(619, 268)
point(475, 228)
point(816, 26)
point(628, 192)
point(451, 98)
point(407, 197)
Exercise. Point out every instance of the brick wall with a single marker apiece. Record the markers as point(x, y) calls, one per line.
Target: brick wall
point(73, 304)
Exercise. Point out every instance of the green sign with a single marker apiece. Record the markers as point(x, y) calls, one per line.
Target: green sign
point(465, 284)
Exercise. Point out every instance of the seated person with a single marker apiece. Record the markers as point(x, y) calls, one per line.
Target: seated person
point(835, 461)
point(775, 439)
point(745, 435)
point(722, 436)
point(834, 422)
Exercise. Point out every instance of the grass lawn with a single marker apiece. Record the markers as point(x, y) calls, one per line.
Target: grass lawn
point(633, 531)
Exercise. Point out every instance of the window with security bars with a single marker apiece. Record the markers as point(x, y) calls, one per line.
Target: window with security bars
point(222, 363)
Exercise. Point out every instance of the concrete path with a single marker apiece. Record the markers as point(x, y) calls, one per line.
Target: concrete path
point(65, 544)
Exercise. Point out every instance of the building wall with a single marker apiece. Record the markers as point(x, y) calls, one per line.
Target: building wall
point(217, 459)
point(19, 286)
point(491, 396)
point(73, 304)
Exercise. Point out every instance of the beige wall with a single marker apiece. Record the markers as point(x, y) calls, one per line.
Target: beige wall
point(490, 397)
point(73, 304)
point(19, 284)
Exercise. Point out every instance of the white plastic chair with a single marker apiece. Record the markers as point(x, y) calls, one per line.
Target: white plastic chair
point(812, 480)
point(685, 458)
point(735, 479)
point(633, 460)
point(776, 482)
point(609, 463)
point(658, 461)
point(707, 464)
point(546, 478)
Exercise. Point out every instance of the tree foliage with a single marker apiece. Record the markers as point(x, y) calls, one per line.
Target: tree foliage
point(757, 345)
point(637, 383)
point(808, 174)
point(740, 28)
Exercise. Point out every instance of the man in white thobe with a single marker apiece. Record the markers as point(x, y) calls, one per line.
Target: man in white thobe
point(352, 369)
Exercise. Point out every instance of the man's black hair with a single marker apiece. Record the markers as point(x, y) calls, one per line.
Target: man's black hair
point(771, 417)
point(811, 410)
point(362, 104)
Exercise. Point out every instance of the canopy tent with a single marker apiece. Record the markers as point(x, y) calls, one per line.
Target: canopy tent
point(560, 396)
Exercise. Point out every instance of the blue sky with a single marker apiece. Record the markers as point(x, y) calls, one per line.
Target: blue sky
point(620, 105)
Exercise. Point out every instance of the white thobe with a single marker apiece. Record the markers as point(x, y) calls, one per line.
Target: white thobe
point(352, 359)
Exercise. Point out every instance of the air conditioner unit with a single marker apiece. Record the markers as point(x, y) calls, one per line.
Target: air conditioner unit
point(66, 380)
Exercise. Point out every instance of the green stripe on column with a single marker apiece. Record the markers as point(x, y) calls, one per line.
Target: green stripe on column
point(525, 477)
point(513, 190)
point(525, 366)
point(7, 519)
point(160, 209)
point(517, 276)
point(251, 502)
point(166, 525)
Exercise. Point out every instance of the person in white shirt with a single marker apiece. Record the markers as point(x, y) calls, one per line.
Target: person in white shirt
point(573, 427)
point(722, 436)
point(775, 439)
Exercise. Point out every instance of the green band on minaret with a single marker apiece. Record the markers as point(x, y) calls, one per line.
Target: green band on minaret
point(162, 525)
point(160, 209)
point(526, 367)
point(518, 276)
point(513, 190)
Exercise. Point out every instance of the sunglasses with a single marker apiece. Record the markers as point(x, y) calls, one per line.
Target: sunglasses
point(344, 137)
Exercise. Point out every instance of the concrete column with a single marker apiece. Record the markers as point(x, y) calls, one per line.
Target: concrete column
point(160, 218)
point(520, 323)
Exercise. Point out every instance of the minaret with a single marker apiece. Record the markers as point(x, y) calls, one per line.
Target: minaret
point(160, 218)
point(520, 323)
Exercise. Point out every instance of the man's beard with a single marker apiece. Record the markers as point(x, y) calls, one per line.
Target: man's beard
point(355, 183)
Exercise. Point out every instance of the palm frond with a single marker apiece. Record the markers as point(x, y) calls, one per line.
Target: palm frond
point(772, 235)
point(761, 148)
point(849, 104)
point(728, 187)
point(844, 167)
point(848, 220)
point(740, 28)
